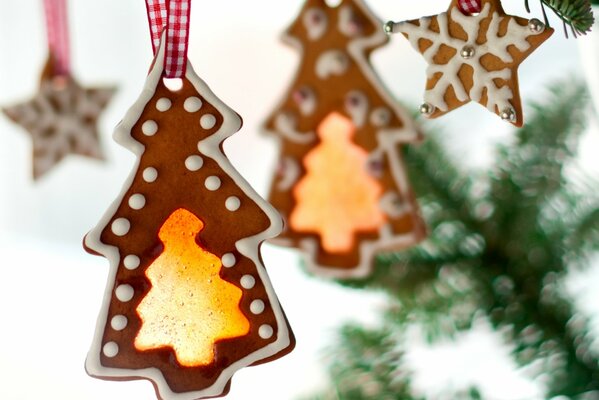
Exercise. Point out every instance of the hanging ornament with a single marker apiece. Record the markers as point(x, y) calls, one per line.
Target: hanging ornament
point(473, 51)
point(62, 117)
point(341, 184)
point(188, 301)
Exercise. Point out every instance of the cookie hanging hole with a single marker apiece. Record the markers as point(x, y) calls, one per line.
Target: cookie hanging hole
point(333, 3)
point(173, 84)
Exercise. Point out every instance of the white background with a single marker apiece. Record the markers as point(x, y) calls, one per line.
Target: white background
point(50, 290)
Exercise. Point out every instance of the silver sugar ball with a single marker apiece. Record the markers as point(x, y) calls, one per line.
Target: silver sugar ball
point(427, 109)
point(468, 52)
point(388, 27)
point(508, 114)
point(536, 26)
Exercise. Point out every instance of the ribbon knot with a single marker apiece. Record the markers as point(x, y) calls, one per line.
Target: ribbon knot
point(469, 7)
point(172, 15)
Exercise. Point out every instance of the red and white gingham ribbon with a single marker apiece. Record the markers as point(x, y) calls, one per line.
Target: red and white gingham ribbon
point(469, 7)
point(58, 35)
point(174, 16)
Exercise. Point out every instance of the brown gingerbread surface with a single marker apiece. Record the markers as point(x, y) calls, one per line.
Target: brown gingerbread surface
point(335, 78)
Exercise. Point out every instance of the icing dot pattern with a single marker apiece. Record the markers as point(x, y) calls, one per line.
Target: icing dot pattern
point(119, 322)
point(149, 128)
point(137, 201)
point(121, 226)
point(163, 104)
point(265, 331)
point(110, 349)
point(213, 183)
point(248, 282)
point(124, 293)
point(131, 262)
point(229, 260)
point(194, 163)
point(150, 175)
point(208, 121)
point(233, 203)
point(210, 182)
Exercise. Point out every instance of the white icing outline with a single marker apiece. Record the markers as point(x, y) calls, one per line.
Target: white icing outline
point(291, 173)
point(248, 247)
point(388, 139)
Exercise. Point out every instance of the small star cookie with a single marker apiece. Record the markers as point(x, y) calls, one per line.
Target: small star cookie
point(473, 57)
point(61, 120)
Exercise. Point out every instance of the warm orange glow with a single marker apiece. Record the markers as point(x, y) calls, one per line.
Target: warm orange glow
point(337, 197)
point(189, 307)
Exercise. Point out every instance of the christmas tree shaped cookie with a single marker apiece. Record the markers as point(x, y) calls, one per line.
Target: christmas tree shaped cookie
point(188, 301)
point(341, 184)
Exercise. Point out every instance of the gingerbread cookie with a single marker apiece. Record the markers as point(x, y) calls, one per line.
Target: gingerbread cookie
point(341, 184)
point(61, 119)
point(474, 57)
point(188, 300)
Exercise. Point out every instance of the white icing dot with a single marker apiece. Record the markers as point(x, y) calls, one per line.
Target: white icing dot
point(121, 226)
point(119, 322)
point(194, 163)
point(228, 260)
point(233, 203)
point(192, 104)
point(265, 331)
point(208, 121)
point(131, 262)
point(137, 201)
point(149, 128)
point(257, 307)
point(248, 281)
point(150, 174)
point(124, 293)
point(163, 104)
point(212, 183)
point(111, 349)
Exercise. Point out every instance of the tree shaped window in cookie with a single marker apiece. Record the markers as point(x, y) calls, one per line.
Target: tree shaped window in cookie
point(337, 196)
point(189, 307)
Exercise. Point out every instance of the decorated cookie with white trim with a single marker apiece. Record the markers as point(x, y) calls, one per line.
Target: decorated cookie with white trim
point(61, 119)
point(473, 57)
point(188, 300)
point(341, 184)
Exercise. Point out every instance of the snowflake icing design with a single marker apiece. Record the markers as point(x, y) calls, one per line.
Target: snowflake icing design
point(499, 97)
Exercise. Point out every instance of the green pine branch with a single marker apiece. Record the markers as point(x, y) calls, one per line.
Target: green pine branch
point(500, 246)
point(576, 14)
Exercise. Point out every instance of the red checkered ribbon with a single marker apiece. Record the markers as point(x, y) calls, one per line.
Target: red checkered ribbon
point(58, 35)
point(469, 7)
point(174, 16)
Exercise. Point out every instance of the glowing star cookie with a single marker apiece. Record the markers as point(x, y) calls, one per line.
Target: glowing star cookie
point(188, 300)
point(61, 120)
point(474, 57)
point(341, 183)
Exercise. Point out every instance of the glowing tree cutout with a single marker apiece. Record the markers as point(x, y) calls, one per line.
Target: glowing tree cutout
point(337, 197)
point(189, 307)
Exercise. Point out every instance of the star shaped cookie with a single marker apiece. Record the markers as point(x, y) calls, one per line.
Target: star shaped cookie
point(473, 57)
point(61, 120)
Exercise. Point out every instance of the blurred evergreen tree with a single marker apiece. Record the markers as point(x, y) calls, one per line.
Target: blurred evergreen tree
point(500, 246)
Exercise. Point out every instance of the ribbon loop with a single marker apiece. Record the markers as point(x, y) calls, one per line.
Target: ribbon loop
point(172, 15)
point(58, 36)
point(469, 7)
